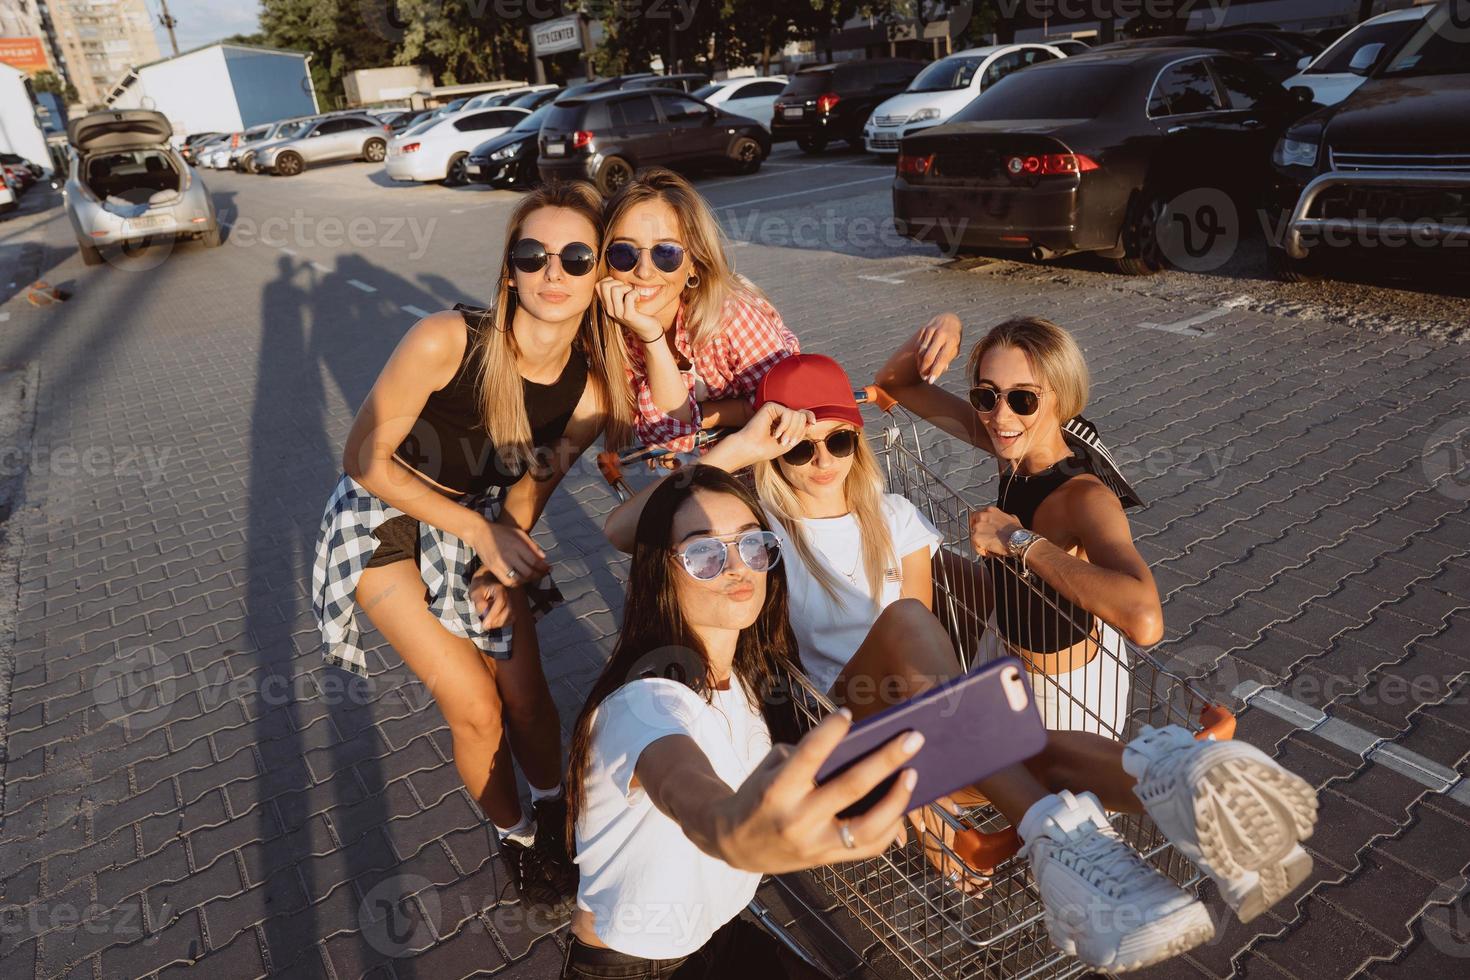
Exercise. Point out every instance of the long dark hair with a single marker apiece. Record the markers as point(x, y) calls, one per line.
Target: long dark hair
point(657, 641)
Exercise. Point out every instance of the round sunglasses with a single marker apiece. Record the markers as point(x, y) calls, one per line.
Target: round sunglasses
point(1023, 401)
point(529, 255)
point(667, 256)
point(841, 444)
point(707, 558)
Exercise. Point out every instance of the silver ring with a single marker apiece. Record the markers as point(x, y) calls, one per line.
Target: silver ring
point(844, 830)
point(953, 877)
point(510, 573)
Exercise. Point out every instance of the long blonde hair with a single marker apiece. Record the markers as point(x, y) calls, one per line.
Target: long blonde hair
point(703, 302)
point(501, 390)
point(863, 491)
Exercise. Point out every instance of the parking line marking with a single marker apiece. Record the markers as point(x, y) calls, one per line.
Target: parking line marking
point(1186, 327)
point(812, 190)
point(1359, 741)
point(286, 250)
point(408, 308)
point(4, 317)
point(456, 210)
point(319, 267)
point(362, 285)
point(888, 279)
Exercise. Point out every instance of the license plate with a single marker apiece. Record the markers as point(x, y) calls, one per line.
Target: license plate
point(556, 149)
point(475, 169)
point(150, 221)
point(793, 112)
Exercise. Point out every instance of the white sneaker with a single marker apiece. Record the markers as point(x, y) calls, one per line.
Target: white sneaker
point(1229, 808)
point(1104, 904)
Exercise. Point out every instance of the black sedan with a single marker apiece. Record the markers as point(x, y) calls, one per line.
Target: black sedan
point(1275, 52)
point(509, 160)
point(1144, 155)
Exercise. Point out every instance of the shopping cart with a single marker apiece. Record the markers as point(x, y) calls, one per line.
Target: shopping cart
point(932, 928)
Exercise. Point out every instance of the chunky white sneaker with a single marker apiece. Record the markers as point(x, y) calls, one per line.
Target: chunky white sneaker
point(1229, 808)
point(1104, 904)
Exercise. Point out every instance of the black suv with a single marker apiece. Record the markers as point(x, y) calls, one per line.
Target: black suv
point(832, 102)
point(605, 137)
point(1385, 172)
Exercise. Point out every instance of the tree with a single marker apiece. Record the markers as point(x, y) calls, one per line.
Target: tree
point(48, 81)
point(257, 39)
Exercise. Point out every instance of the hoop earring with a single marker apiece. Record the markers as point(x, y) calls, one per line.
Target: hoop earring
point(692, 282)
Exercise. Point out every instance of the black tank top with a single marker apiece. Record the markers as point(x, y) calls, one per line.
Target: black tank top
point(448, 442)
point(1031, 614)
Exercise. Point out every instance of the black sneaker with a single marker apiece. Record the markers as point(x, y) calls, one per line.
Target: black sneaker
point(551, 841)
point(538, 880)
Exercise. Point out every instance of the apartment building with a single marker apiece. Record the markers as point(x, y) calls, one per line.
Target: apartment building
point(100, 40)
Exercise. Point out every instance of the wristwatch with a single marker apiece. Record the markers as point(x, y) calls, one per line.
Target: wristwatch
point(1021, 540)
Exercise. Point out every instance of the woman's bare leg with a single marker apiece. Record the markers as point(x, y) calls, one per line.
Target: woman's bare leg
point(458, 676)
point(530, 713)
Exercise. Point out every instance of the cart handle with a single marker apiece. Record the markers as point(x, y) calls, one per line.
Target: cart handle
point(986, 851)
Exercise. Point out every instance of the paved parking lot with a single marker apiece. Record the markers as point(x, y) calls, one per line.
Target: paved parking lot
point(179, 425)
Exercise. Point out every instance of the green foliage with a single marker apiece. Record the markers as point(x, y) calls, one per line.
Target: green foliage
point(49, 81)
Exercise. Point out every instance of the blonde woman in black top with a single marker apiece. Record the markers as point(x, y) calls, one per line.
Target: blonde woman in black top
point(471, 425)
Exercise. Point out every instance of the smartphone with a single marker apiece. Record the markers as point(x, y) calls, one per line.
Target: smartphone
point(974, 726)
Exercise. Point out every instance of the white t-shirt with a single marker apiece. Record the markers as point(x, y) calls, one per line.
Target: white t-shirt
point(829, 632)
point(653, 892)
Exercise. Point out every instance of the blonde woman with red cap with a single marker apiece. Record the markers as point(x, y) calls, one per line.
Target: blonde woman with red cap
point(858, 568)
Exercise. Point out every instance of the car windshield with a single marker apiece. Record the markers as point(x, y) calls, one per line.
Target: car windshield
point(809, 82)
point(251, 135)
point(947, 74)
point(1433, 49)
point(292, 130)
point(1063, 92)
point(532, 123)
point(706, 91)
point(1337, 58)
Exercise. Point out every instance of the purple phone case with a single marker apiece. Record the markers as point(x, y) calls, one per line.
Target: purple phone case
point(970, 732)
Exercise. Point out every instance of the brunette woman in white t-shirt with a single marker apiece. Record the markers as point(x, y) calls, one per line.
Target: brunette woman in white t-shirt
point(1103, 902)
point(677, 798)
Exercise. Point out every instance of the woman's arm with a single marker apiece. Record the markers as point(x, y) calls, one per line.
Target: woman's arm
point(909, 377)
point(661, 387)
point(779, 820)
point(725, 413)
point(773, 430)
point(1113, 582)
point(918, 577)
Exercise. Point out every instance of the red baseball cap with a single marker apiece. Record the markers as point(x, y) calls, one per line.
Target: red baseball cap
point(813, 382)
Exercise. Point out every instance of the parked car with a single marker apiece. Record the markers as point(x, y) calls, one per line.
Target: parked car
point(324, 140)
point(282, 131)
point(535, 100)
point(1390, 158)
point(490, 100)
point(127, 183)
point(202, 149)
point(832, 102)
point(1335, 73)
point(1067, 45)
point(686, 82)
point(1273, 51)
point(35, 170)
point(601, 85)
point(9, 199)
point(409, 120)
point(1086, 154)
point(944, 88)
point(19, 171)
point(753, 97)
point(390, 116)
point(186, 148)
point(217, 156)
point(440, 148)
point(509, 160)
point(605, 137)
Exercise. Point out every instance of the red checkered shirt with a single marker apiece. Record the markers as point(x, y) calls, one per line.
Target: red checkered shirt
point(751, 340)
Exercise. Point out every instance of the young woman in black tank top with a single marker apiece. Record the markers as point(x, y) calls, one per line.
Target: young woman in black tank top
point(473, 422)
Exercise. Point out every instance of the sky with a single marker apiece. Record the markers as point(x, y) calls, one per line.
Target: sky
point(201, 22)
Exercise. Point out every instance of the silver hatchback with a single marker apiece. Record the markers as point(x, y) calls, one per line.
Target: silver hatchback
point(345, 137)
point(127, 184)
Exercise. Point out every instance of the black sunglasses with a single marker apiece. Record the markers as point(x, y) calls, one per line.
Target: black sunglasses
point(667, 256)
point(841, 444)
point(529, 255)
point(1023, 401)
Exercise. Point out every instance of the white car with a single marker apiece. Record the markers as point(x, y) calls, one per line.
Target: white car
point(946, 87)
point(439, 149)
point(1337, 72)
point(753, 96)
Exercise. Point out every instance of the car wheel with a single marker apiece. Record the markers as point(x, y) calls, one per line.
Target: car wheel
point(374, 151)
point(612, 175)
point(747, 155)
point(811, 144)
point(211, 238)
point(289, 164)
point(1287, 269)
point(90, 254)
point(1142, 254)
point(455, 175)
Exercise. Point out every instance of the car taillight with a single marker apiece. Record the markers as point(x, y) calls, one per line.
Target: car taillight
point(826, 101)
point(410, 147)
point(1044, 164)
point(581, 138)
point(912, 165)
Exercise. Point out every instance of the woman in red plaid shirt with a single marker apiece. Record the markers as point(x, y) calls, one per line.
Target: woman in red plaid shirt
point(700, 337)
